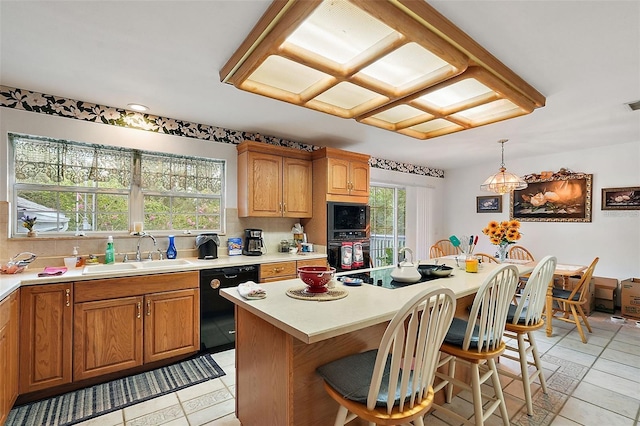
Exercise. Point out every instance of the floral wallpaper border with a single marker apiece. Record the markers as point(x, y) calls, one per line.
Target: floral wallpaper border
point(40, 103)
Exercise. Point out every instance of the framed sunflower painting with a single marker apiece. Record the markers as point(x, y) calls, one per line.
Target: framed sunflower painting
point(564, 196)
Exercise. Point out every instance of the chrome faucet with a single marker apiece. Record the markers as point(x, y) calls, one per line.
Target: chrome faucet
point(155, 244)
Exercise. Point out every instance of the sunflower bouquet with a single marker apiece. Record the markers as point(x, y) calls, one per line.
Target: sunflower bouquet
point(503, 233)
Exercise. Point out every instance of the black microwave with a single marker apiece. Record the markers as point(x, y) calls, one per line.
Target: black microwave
point(347, 221)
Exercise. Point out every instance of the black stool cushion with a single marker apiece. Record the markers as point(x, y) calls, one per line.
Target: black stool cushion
point(512, 313)
point(351, 376)
point(564, 294)
point(456, 333)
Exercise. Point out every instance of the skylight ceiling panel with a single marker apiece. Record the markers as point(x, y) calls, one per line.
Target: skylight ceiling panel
point(433, 128)
point(339, 32)
point(286, 75)
point(347, 100)
point(397, 117)
point(490, 113)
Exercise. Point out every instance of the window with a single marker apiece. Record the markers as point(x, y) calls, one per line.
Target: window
point(77, 188)
point(387, 208)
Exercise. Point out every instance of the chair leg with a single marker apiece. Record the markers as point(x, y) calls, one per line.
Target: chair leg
point(451, 373)
point(477, 394)
point(418, 422)
point(576, 319)
point(584, 318)
point(341, 417)
point(524, 370)
point(498, 390)
point(537, 362)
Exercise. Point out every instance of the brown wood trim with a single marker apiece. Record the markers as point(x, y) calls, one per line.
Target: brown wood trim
point(266, 148)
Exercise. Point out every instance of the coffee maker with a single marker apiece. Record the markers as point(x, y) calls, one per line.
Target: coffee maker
point(253, 242)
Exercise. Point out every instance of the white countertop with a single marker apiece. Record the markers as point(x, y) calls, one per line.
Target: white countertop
point(366, 305)
point(10, 282)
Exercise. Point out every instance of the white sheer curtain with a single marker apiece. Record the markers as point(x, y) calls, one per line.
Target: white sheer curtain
point(419, 220)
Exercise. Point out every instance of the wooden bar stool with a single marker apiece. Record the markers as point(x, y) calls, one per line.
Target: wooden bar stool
point(478, 341)
point(522, 320)
point(393, 384)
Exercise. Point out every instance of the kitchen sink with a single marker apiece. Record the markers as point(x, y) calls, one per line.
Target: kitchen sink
point(152, 264)
point(134, 266)
point(102, 269)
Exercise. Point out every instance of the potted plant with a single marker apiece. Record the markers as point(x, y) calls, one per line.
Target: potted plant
point(29, 223)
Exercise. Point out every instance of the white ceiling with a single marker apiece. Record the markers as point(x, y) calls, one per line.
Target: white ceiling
point(584, 56)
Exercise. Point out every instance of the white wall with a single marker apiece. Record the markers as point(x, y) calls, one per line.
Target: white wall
point(614, 236)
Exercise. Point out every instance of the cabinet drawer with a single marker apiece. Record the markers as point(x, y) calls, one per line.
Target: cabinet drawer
point(112, 288)
point(312, 262)
point(277, 269)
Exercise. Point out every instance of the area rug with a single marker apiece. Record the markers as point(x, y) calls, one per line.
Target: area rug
point(83, 404)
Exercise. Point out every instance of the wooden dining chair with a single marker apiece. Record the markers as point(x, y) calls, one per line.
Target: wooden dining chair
point(486, 258)
point(522, 320)
point(435, 252)
point(520, 253)
point(477, 341)
point(569, 302)
point(393, 384)
point(445, 247)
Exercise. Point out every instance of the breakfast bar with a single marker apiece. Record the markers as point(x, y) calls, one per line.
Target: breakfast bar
point(280, 340)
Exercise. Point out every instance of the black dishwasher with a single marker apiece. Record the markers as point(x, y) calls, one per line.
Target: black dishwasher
point(217, 323)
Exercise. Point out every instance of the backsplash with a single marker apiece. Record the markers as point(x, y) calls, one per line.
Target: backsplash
point(52, 249)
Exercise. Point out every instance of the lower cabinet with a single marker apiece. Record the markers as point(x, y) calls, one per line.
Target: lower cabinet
point(46, 331)
point(9, 311)
point(133, 322)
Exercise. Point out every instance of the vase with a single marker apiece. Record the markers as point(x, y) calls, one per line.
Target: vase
point(32, 233)
point(502, 252)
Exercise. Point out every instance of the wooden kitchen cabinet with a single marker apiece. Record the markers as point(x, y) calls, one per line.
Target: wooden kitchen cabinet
point(277, 271)
point(121, 323)
point(46, 331)
point(274, 181)
point(338, 176)
point(9, 320)
point(347, 177)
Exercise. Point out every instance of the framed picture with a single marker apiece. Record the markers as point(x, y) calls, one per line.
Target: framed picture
point(621, 198)
point(563, 197)
point(490, 204)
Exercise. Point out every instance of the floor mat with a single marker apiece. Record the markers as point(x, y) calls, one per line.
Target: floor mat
point(83, 404)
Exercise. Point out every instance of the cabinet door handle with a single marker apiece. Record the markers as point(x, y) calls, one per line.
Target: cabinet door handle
point(284, 207)
point(278, 269)
point(139, 309)
point(148, 307)
point(67, 293)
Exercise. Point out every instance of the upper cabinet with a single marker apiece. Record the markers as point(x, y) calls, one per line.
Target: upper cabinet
point(344, 175)
point(274, 181)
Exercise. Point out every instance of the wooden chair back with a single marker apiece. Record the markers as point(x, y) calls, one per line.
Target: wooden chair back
point(520, 253)
point(412, 341)
point(445, 247)
point(435, 251)
point(490, 308)
point(534, 294)
point(581, 286)
point(486, 258)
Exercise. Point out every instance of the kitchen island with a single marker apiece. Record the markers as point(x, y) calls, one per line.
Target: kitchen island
point(281, 340)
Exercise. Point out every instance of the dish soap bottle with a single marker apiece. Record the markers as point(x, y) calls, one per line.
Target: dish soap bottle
point(172, 253)
point(79, 259)
point(109, 254)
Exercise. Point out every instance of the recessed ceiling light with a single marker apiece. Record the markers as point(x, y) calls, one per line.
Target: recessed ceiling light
point(138, 107)
point(634, 106)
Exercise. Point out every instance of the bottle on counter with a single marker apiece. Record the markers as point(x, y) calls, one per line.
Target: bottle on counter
point(109, 253)
point(172, 253)
point(79, 259)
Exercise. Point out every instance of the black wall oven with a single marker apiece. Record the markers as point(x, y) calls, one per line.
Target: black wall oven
point(348, 236)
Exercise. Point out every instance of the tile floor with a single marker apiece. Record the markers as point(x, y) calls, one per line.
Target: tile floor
point(597, 383)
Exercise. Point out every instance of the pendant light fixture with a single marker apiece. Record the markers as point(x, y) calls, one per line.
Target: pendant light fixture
point(503, 181)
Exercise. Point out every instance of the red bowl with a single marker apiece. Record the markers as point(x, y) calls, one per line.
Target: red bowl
point(316, 277)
